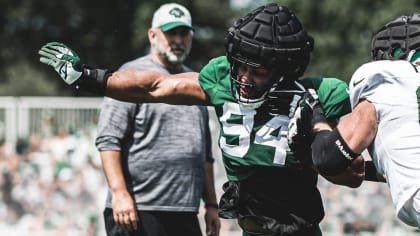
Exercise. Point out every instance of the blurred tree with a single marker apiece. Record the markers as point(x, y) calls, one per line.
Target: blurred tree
point(106, 33)
point(24, 79)
point(343, 31)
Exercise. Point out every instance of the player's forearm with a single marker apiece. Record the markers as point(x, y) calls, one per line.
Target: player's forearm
point(133, 86)
point(154, 87)
point(130, 86)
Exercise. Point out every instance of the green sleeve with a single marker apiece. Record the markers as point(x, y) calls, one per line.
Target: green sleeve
point(214, 79)
point(333, 96)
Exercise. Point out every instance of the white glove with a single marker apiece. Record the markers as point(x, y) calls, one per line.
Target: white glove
point(63, 59)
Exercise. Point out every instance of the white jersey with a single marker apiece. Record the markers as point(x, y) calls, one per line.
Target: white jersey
point(393, 87)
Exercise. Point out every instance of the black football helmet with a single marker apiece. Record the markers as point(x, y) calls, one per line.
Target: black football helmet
point(271, 37)
point(398, 39)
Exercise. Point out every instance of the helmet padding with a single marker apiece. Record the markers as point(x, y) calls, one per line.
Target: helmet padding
point(270, 36)
point(397, 38)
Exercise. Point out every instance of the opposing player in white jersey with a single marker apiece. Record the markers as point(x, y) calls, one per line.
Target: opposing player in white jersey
point(385, 98)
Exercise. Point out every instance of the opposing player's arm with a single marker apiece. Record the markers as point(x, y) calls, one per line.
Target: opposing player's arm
point(149, 86)
point(371, 174)
point(359, 129)
point(334, 151)
point(353, 175)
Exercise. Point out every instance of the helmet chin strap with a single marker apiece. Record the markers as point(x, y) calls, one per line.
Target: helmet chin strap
point(251, 105)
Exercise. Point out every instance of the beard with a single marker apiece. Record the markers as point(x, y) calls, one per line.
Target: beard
point(167, 53)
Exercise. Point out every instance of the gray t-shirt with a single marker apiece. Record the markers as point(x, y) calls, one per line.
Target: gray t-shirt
point(163, 148)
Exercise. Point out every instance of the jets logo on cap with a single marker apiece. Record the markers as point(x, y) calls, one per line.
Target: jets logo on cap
point(176, 12)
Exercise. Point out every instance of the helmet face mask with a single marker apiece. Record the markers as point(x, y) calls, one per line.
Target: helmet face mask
point(269, 37)
point(250, 94)
point(398, 39)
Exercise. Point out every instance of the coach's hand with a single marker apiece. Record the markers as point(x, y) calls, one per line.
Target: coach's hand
point(63, 59)
point(124, 211)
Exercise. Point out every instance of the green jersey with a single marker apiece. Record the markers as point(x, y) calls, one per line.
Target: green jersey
point(252, 137)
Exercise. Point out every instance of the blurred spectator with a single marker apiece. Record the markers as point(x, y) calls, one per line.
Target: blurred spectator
point(43, 190)
point(35, 201)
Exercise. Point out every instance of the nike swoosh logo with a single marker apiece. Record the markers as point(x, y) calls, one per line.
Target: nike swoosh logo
point(357, 82)
point(63, 71)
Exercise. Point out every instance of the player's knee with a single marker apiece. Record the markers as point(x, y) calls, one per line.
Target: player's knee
point(330, 154)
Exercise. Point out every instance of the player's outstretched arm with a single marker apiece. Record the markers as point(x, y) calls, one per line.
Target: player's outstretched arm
point(67, 64)
point(150, 86)
point(131, 86)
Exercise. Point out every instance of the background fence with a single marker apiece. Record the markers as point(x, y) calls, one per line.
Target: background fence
point(21, 117)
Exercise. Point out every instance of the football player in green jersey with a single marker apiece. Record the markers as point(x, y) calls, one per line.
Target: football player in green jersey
point(255, 90)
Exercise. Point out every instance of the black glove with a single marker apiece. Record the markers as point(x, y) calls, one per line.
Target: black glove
point(283, 102)
point(307, 114)
point(229, 202)
point(284, 99)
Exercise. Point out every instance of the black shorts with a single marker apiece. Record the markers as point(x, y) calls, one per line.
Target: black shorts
point(274, 200)
point(156, 223)
point(286, 190)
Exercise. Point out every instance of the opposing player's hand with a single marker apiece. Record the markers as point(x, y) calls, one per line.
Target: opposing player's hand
point(63, 59)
